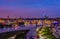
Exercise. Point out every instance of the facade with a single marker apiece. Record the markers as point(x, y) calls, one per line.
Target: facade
point(29, 21)
point(13, 22)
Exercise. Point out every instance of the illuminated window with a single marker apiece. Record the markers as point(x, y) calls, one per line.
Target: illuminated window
point(27, 23)
point(47, 22)
point(2, 21)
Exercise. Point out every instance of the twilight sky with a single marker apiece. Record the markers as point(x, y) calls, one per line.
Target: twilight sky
point(29, 8)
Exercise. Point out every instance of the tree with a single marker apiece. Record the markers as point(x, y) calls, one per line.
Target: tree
point(46, 33)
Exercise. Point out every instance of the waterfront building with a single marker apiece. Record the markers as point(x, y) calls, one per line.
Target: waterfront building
point(28, 21)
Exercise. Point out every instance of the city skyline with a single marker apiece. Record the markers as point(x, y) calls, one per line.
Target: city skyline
point(29, 8)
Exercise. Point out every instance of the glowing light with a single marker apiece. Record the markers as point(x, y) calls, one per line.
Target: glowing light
point(48, 22)
point(2, 21)
point(26, 23)
point(39, 22)
point(38, 29)
point(40, 36)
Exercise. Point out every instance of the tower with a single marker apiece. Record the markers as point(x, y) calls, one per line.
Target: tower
point(7, 17)
point(45, 16)
point(20, 16)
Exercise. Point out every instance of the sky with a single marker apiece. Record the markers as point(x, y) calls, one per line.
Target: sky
point(29, 8)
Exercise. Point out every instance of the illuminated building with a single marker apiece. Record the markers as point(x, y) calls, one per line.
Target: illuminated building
point(28, 21)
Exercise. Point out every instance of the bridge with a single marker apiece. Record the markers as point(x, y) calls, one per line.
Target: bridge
point(20, 32)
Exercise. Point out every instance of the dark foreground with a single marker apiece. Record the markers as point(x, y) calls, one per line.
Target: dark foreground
point(19, 34)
